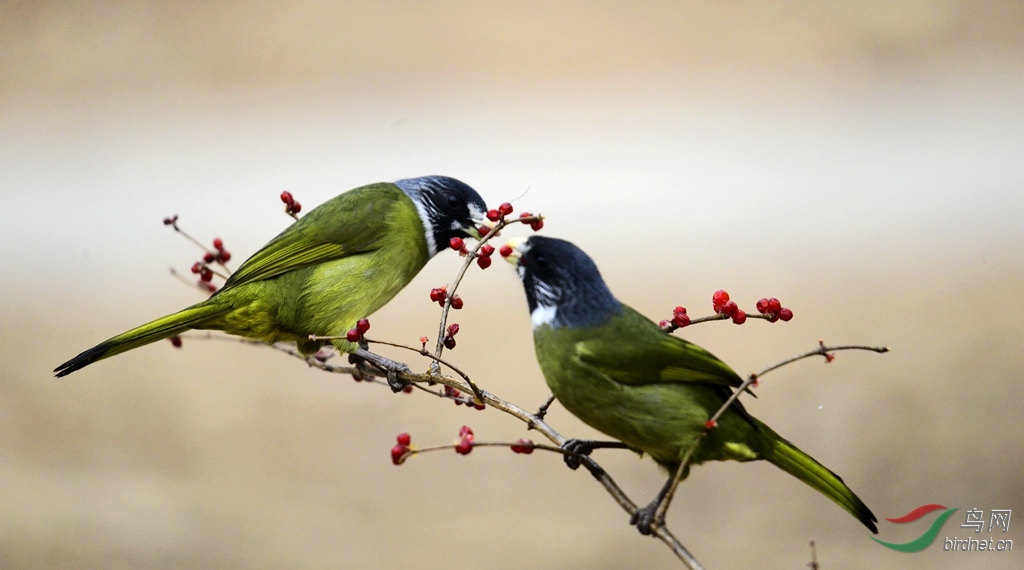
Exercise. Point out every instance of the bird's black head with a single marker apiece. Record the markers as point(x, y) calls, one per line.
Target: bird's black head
point(447, 207)
point(563, 286)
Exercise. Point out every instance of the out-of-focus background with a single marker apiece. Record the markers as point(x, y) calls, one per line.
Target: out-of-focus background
point(862, 161)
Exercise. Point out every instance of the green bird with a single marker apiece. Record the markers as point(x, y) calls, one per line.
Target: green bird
point(338, 264)
point(623, 375)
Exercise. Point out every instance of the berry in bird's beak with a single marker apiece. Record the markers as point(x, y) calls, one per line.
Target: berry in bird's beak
point(512, 250)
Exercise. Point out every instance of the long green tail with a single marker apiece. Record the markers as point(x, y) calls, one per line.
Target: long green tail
point(787, 457)
point(153, 331)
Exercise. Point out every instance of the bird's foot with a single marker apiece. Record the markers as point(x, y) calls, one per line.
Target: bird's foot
point(573, 449)
point(645, 519)
point(391, 368)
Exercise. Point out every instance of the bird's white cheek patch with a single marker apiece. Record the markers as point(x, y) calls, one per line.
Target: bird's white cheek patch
point(543, 315)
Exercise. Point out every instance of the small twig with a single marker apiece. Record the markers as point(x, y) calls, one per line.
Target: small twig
point(543, 410)
point(813, 564)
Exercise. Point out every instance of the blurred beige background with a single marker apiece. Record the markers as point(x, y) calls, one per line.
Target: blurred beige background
point(862, 162)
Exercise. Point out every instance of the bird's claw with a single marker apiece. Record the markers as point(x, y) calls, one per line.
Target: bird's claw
point(394, 383)
point(645, 519)
point(573, 449)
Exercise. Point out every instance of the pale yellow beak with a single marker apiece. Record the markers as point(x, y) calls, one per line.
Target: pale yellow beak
point(514, 250)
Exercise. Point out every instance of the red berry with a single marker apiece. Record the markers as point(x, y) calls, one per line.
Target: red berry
point(679, 311)
point(218, 244)
point(505, 209)
point(438, 294)
point(176, 341)
point(664, 323)
point(449, 342)
point(404, 439)
point(208, 286)
point(487, 250)
point(774, 306)
point(209, 257)
point(466, 431)
point(739, 317)
point(772, 317)
point(536, 226)
point(407, 389)
point(719, 299)
point(206, 274)
point(478, 406)
point(353, 335)
point(762, 305)
point(525, 215)
point(505, 251)
point(524, 446)
point(729, 308)
point(493, 215)
point(363, 325)
point(464, 447)
point(287, 197)
point(681, 321)
point(197, 267)
point(785, 314)
point(453, 329)
point(423, 341)
point(483, 262)
point(398, 454)
point(457, 302)
point(484, 230)
point(710, 425)
point(295, 207)
point(456, 243)
point(171, 220)
point(224, 255)
point(451, 392)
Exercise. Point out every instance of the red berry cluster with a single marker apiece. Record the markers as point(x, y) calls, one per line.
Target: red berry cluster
point(524, 446)
point(205, 276)
point(356, 334)
point(723, 306)
point(220, 255)
point(535, 225)
point(291, 206)
point(679, 320)
point(440, 294)
point(483, 259)
point(449, 339)
point(465, 444)
point(402, 449)
point(503, 210)
point(774, 310)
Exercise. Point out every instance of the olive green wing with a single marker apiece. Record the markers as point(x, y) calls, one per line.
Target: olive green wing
point(349, 224)
point(633, 351)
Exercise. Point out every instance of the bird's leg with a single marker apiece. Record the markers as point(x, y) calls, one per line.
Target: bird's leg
point(653, 515)
point(574, 448)
point(390, 367)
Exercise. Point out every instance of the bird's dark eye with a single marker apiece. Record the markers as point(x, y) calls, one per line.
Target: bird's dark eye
point(539, 261)
point(453, 201)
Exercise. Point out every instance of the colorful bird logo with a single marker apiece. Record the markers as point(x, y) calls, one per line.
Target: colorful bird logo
point(923, 541)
